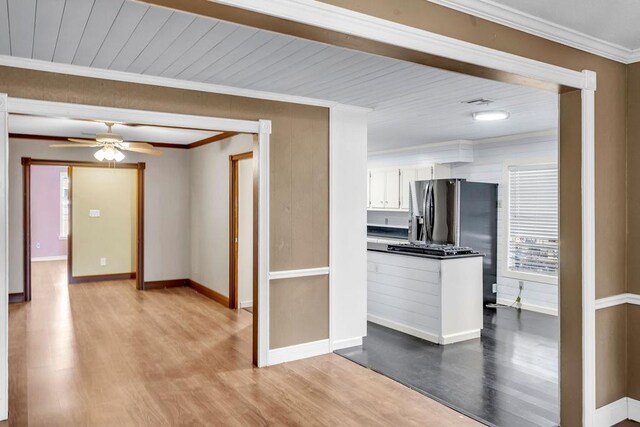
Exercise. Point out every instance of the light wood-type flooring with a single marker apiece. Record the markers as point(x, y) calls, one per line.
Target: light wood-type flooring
point(105, 354)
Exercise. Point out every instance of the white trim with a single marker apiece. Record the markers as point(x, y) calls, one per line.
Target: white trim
point(633, 407)
point(617, 300)
point(145, 79)
point(79, 111)
point(458, 142)
point(434, 338)
point(49, 258)
point(459, 336)
point(346, 343)
point(612, 414)
point(4, 258)
point(618, 411)
point(530, 307)
point(505, 15)
point(299, 351)
point(517, 136)
point(334, 18)
point(245, 304)
point(588, 256)
point(264, 132)
point(305, 272)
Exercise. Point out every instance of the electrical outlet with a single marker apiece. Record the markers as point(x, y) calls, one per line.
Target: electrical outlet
point(494, 288)
point(386, 221)
point(38, 245)
point(103, 262)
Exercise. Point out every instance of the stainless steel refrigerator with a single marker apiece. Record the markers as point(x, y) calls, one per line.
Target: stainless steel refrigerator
point(461, 213)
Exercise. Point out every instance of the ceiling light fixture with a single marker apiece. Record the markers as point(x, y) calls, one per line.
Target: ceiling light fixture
point(487, 116)
point(109, 153)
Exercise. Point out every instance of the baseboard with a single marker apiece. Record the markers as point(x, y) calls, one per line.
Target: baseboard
point(16, 298)
point(163, 284)
point(209, 293)
point(434, 338)
point(49, 258)
point(530, 307)
point(460, 336)
point(245, 304)
point(618, 411)
point(346, 343)
point(102, 278)
point(633, 406)
point(297, 352)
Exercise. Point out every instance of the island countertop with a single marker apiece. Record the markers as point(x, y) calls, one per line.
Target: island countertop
point(383, 247)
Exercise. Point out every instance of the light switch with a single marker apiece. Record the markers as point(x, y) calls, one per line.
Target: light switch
point(94, 213)
point(103, 262)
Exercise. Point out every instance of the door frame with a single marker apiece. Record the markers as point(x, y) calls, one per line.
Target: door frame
point(233, 226)
point(261, 131)
point(349, 22)
point(27, 162)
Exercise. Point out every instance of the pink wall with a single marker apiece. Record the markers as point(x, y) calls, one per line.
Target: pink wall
point(45, 212)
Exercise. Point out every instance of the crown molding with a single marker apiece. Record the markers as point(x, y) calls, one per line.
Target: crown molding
point(504, 15)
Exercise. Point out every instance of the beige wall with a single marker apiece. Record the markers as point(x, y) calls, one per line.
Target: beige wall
point(301, 299)
point(166, 207)
point(633, 250)
point(112, 235)
point(209, 221)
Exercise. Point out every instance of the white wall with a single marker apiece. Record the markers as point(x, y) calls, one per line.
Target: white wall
point(166, 207)
point(348, 219)
point(209, 219)
point(245, 233)
point(490, 158)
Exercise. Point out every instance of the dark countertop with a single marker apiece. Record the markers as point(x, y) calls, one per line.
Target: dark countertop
point(382, 247)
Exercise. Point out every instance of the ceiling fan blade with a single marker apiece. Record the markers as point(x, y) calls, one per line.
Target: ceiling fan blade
point(126, 145)
point(81, 141)
point(152, 151)
point(73, 145)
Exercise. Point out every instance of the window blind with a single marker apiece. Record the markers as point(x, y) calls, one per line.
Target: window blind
point(533, 219)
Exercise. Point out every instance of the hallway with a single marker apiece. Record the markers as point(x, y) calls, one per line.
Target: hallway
point(106, 354)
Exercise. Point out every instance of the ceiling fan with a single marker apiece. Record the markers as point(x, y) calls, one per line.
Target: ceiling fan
point(111, 145)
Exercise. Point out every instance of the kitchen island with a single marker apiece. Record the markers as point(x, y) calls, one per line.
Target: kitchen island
point(436, 298)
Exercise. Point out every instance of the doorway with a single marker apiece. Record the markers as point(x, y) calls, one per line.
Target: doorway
point(31, 171)
point(241, 231)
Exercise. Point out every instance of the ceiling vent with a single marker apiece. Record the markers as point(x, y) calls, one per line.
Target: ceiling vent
point(478, 101)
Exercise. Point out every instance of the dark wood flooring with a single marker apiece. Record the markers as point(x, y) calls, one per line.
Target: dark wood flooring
point(509, 377)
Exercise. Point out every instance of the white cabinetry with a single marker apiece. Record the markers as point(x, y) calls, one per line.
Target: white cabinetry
point(389, 188)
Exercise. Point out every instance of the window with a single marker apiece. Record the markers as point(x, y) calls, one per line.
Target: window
point(64, 205)
point(533, 219)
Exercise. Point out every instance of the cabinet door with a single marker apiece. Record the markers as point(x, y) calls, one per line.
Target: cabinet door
point(441, 171)
point(406, 176)
point(376, 189)
point(392, 189)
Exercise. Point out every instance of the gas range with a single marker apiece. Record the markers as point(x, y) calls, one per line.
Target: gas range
point(431, 249)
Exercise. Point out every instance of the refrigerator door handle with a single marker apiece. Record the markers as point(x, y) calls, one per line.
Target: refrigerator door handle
point(428, 212)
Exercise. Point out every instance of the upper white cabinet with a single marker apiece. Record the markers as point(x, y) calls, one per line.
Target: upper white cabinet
point(389, 188)
point(377, 183)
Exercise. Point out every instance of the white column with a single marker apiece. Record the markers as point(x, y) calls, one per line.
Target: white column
point(588, 251)
point(263, 243)
point(348, 227)
point(4, 264)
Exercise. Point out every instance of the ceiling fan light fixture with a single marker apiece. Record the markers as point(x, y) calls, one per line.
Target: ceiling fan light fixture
point(109, 153)
point(99, 155)
point(119, 156)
